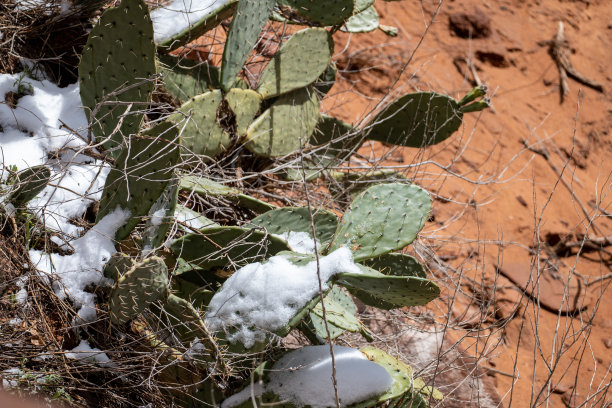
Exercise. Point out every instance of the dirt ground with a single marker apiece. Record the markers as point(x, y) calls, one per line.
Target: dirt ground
point(518, 189)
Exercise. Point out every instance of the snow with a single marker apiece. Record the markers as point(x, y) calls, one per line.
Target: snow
point(304, 377)
point(158, 217)
point(22, 294)
point(300, 241)
point(179, 15)
point(85, 352)
point(84, 267)
point(33, 132)
point(260, 298)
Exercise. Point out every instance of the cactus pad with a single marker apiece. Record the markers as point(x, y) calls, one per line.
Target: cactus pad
point(286, 125)
point(145, 283)
point(117, 266)
point(315, 12)
point(245, 105)
point(384, 218)
point(185, 78)
point(227, 246)
point(119, 57)
point(249, 19)
point(417, 120)
point(298, 219)
point(340, 312)
point(406, 389)
point(388, 291)
point(201, 134)
point(396, 264)
point(28, 184)
point(298, 63)
point(207, 187)
point(160, 216)
point(362, 22)
point(140, 175)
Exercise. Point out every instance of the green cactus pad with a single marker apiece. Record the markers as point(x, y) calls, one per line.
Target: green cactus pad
point(388, 291)
point(326, 81)
point(340, 311)
point(361, 5)
point(184, 319)
point(298, 63)
point(140, 175)
point(286, 125)
point(384, 218)
point(185, 78)
point(201, 134)
point(117, 266)
point(362, 22)
point(245, 105)
point(28, 184)
point(249, 19)
point(354, 183)
point(119, 57)
point(227, 246)
point(333, 141)
point(396, 264)
point(197, 28)
point(207, 187)
point(317, 13)
point(406, 391)
point(298, 219)
point(145, 283)
point(417, 120)
point(160, 216)
point(197, 285)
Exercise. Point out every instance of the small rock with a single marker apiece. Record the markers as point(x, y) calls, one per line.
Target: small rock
point(470, 25)
point(562, 388)
point(607, 343)
point(493, 56)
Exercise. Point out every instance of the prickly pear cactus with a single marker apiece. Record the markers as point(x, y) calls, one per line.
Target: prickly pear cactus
point(396, 264)
point(145, 283)
point(140, 175)
point(244, 103)
point(185, 78)
point(298, 219)
point(417, 120)
point(160, 217)
point(407, 390)
point(388, 291)
point(249, 19)
point(117, 266)
point(286, 126)
point(201, 134)
point(227, 246)
point(317, 13)
point(384, 218)
point(298, 63)
point(28, 184)
point(115, 72)
point(340, 312)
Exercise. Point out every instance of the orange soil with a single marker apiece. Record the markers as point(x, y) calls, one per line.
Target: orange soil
point(491, 187)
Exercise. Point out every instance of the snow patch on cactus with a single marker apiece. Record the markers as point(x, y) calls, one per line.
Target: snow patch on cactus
point(73, 273)
point(304, 377)
point(260, 298)
point(300, 241)
point(48, 126)
point(179, 15)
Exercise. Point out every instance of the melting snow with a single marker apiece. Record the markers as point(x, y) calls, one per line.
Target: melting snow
point(84, 266)
point(300, 241)
point(304, 377)
point(86, 353)
point(260, 298)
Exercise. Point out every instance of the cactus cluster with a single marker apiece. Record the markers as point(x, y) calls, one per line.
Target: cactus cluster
point(219, 112)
